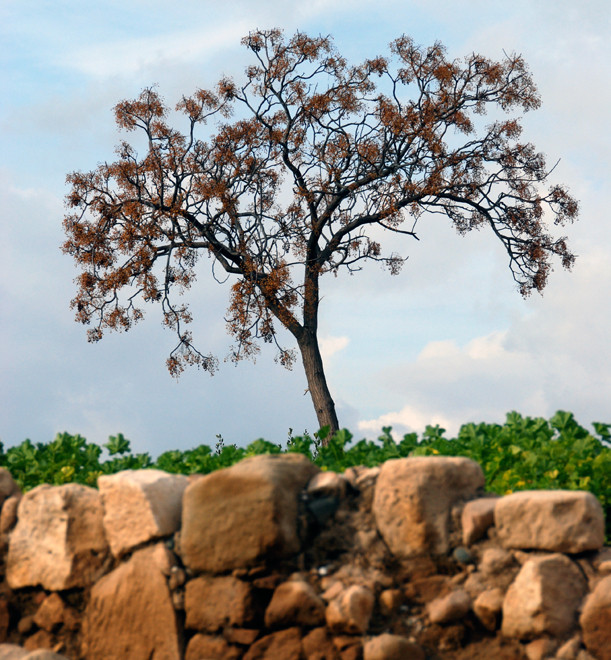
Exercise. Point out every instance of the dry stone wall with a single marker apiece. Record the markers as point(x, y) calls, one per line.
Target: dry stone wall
point(272, 559)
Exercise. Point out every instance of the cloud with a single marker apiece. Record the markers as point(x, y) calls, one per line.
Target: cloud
point(329, 346)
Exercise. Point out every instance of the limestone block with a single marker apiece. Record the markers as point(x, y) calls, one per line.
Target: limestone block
point(413, 498)
point(245, 514)
point(130, 613)
point(555, 520)
point(351, 611)
point(488, 606)
point(140, 505)
point(452, 607)
point(295, 603)
point(595, 620)
point(392, 647)
point(58, 541)
point(207, 647)
point(212, 603)
point(317, 645)
point(285, 644)
point(544, 598)
point(477, 516)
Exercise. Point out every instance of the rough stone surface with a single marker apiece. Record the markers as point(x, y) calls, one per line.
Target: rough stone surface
point(413, 498)
point(281, 645)
point(207, 647)
point(130, 614)
point(8, 514)
point(8, 486)
point(295, 603)
point(448, 608)
point(543, 599)
point(476, 518)
point(214, 602)
point(595, 620)
point(487, 607)
point(244, 514)
point(58, 541)
point(391, 647)
point(53, 613)
point(318, 645)
point(14, 652)
point(554, 520)
point(140, 505)
point(351, 611)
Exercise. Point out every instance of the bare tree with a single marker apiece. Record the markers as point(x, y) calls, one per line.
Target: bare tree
point(297, 166)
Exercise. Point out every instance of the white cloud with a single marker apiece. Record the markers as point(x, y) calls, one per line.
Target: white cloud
point(331, 345)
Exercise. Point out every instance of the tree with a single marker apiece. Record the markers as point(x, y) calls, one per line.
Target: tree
point(304, 163)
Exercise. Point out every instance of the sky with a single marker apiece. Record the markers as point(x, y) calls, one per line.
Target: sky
point(448, 341)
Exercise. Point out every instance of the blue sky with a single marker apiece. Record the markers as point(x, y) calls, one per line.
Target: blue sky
point(447, 341)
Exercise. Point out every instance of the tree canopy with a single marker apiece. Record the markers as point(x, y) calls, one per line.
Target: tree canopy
point(291, 173)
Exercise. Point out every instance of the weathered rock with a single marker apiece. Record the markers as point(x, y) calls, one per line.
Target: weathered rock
point(140, 505)
point(327, 484)
point(540, 649)
point(245, 514)
point(295, 603)
point(595, 620)
point(389, 601)
point(477, 516)
point(448, 608)
point(14, 652)
point(391, 647)
point(570, 649)
point(214, 602)
point(59, 539)
point(208, 647)
point(130, 613)
point(281, 645)
point(554, 520)
point(351, 611)
point(53, 613)
point(8, 515)
point(317, 645)
point(487, 607)
point(543, 599)
point(8, 486)
point(413, 498)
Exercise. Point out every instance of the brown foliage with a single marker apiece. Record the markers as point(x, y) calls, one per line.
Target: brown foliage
point(359, 147)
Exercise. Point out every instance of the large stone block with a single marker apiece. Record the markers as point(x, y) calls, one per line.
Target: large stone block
point(595, 620)
point(413, 499)
point(59, 539)
point(567, 521)
point(211, 603)
point(245, 514)
point(140, 505)
point(130, 613)
point(544, 598)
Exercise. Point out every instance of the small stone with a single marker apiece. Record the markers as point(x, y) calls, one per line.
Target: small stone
point(389, 601)
point(540, 649)
point(448, 608)
point(285, 644)
point(392, 647)
point(488, 606)
point(351, 611)
point(462, 555)
point(207, 647)
point(295, 602)
point(476, 518)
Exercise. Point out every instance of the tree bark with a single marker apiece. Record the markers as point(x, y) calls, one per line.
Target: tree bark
point(317, 383)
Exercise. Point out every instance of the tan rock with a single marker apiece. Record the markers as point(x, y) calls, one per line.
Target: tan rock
point(281, 645)
point(351, 611)
point(207, 647)
point(140, 505)
point(245, 514)
point(8, 486)
point(295, 603)
point(595, 620)
point(12, 652)
point(554, 520)
point(477, 516)
point(570, 649)
point(413, 499)
point(8, 515)
point(130, 613)
point(391, 647)
point(53, 613)
point(540, 649)
point(330, 484)
point(212, 603)
point(59, 539)
point(543, 599)
point(317, 645)
point(452, 607)
point(389, 601)
point(487, 607)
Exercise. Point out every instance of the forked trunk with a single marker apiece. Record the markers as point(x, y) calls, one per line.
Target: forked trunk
point(317, 383)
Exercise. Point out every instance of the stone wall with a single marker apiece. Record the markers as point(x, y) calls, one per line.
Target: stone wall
point(274, 559)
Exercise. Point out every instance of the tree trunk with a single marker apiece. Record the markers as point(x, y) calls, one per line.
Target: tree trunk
point(317, 383)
